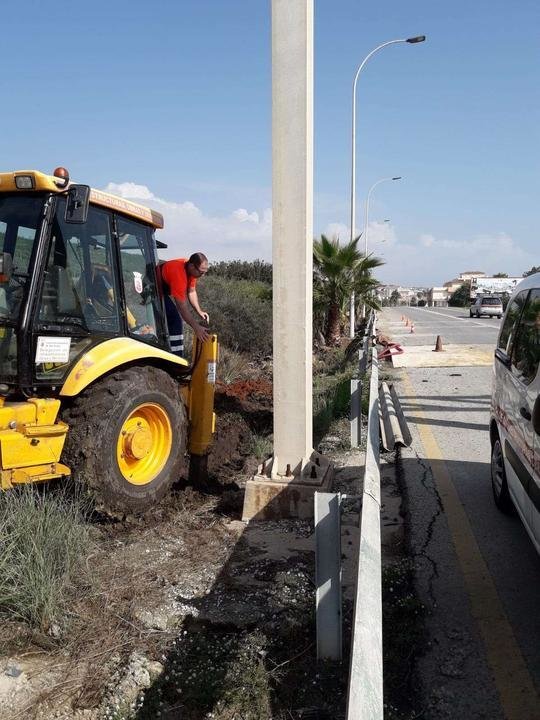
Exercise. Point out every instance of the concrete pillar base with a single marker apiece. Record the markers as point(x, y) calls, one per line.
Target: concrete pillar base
point(271, 497)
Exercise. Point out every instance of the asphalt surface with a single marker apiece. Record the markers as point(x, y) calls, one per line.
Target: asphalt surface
point(453, 324)
point(478, 573)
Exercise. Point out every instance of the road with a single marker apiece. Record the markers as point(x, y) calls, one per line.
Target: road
point(478, 573)
point(453, 324)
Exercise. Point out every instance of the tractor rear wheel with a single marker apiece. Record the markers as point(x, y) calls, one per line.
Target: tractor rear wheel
point(127, 438)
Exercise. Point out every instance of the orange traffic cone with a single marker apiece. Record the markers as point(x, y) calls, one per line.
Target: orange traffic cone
point(412, 327)
point(438, 345)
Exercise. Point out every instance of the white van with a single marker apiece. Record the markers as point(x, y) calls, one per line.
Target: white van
point(515, 408)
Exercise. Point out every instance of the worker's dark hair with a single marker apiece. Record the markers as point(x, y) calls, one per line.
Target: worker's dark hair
point(197, 259)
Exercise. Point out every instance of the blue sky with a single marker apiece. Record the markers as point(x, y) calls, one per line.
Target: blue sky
point(170, 102)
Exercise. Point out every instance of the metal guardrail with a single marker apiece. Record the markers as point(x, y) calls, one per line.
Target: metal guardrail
point(356, 384)
point(365, 697)
point(365, 694)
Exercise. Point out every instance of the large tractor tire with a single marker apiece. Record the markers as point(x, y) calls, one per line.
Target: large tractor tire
point(127, 438)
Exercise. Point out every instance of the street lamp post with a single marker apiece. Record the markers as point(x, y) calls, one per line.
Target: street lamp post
point(366, 219)
point(412, 41)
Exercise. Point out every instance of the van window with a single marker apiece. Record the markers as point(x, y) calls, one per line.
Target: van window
point(507, 333)
point(491, 301)
point(526, 352)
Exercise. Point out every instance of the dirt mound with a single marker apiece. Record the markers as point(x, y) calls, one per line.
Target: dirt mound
point(252, 399)
point(231, 445)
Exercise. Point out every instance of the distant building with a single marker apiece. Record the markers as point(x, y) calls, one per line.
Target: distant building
point(438, 296)
point(406, 294)
point(493, 285)
point(453, 285)
point(471, 274)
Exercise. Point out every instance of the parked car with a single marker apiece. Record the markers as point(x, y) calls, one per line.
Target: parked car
point(487, 305)
point(515, 408)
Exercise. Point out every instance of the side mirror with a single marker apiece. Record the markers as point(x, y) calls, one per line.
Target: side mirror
point(78, 200)
point(6, 265)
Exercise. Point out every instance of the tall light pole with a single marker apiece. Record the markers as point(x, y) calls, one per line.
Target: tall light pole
point(412, 41)
point(366, 220)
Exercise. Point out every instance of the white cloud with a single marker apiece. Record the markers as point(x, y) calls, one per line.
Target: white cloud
point(339, 230)
point(427, 240)
point(241, 234)
point(431, 261)
point(130, 190)
point(247, 234)
point(380, 234)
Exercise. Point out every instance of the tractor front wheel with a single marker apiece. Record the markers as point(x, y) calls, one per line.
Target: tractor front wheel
point(127, 438)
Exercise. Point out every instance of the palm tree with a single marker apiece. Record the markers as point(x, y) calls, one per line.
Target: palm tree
point(339, 271)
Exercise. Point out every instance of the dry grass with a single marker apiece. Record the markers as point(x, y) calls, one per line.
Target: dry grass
point(129, 566)
point(44, 542)
point(233, 366)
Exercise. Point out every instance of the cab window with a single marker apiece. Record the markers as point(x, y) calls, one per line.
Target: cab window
point(526, 350)
point(79, 286)
point(507, 334)
point(19, 222)
point(138, 276)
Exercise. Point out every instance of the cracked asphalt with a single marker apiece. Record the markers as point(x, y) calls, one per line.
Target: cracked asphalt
point(477, 572)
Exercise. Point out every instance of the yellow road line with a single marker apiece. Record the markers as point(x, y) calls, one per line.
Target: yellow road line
point(516, 689)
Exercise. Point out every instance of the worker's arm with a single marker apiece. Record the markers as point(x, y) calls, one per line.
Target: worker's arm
point(194, 300)
point(183, 308)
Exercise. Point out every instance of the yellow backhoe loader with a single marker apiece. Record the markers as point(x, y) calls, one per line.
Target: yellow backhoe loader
point(88, 384)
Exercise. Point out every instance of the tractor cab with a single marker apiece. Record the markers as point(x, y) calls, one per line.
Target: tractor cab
point(67, 285)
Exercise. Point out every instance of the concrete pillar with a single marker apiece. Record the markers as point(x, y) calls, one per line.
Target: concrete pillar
point(285, 484)
point(292, 230)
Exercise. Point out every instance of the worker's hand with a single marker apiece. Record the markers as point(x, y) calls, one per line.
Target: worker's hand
point(201, 333)
point(206, 317)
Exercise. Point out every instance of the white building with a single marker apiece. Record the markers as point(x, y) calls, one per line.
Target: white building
point(437, 297)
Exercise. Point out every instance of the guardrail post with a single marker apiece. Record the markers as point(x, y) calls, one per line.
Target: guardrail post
point(328, 574)
point(356, 412)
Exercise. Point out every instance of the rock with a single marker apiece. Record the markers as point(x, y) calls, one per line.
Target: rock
point(236, 526)
point(55, 631)
point(155, 669)
point(156, 619)
point(12, 670)
point(139, 674)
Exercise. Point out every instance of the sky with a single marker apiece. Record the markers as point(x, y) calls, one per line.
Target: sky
point(169, 103)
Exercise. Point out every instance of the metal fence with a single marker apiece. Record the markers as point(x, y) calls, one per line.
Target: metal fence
point(365, 694)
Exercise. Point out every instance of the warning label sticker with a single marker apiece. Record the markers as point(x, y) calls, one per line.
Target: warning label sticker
point(211, 374)
point(52, 349)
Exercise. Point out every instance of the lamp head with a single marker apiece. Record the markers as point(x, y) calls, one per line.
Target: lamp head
point(397, 178)
point(417, 39)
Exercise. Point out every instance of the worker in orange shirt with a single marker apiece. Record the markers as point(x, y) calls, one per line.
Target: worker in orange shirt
point(179, 279)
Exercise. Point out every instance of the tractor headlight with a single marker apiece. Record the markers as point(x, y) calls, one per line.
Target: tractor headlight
point(24, 182)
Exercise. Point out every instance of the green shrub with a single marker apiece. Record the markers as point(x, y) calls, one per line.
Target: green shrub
point(261, 447)
point(331, 399)
point(43, 541)
point(242, 270)
point(240, 313)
